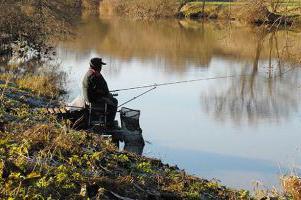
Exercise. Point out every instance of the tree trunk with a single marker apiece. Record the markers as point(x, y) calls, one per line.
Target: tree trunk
point(203, 8)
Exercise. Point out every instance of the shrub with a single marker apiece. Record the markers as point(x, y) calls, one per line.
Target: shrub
point(140, 8)
point(253, 11)
point(274, 12)
point(292, 186)
point(36, 22)
point(46, 85)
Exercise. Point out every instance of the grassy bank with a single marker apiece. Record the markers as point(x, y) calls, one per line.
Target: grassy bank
point(251, 11)
point(214, 10)
point(42, 158)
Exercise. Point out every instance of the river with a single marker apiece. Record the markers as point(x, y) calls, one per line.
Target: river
point(240, 130)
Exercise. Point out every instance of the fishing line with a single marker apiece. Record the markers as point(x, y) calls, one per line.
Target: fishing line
point(174, 83)
point(155, 85)
point(132, 99)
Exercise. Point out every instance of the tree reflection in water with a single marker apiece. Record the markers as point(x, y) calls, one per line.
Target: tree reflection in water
point(267, 57)
point(265, 89)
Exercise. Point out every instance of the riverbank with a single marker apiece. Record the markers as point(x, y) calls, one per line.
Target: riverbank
point(44, 157)
point(41, 158)
point(254, 12)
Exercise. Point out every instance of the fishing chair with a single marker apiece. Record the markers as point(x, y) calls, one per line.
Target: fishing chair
point(98, 114)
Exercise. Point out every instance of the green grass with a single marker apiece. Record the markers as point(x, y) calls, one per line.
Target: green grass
point(222, 10)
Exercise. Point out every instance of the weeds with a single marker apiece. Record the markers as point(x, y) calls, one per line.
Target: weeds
point(292, 186)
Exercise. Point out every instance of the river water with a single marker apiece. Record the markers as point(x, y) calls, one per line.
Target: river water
point(239, 130)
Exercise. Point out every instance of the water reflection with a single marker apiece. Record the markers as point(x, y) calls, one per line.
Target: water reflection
point(220, 165)
point(263, 88)
point(166, 42)
point(179, 45)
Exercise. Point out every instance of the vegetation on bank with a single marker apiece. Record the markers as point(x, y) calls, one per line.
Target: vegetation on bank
point(211, 10)
point(36, 76)
point(29, 27)
point(41, 158)
point(273, 12)
point(140, 8)
point(252, 11)
point(234, 8)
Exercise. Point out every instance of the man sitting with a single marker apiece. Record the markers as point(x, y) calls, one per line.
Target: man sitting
point(96, 91)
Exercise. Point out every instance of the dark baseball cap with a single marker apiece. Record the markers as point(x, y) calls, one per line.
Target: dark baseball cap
point(97, 62)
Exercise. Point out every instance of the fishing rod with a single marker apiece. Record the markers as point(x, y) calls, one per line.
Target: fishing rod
point(155, 85)
point(128, 101)
point(173, 83)
point(132, 99)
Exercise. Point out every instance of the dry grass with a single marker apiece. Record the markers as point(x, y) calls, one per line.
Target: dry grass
point(253, 11)
point(212, 10)
point(41, 78)
point(90, 4)
point(90, 8)
point(274, 12)
point(51, 137)
point(42, 85)
point(6, 77)
point(140, 8)
point(292, 186)
point(45, 85)
point(41, 133)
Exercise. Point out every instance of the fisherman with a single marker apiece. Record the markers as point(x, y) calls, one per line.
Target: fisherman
point(96, 91)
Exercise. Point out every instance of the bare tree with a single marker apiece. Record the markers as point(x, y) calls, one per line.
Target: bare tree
point(35, 22)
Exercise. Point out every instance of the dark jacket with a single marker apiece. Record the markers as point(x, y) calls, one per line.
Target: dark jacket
point(94, 87)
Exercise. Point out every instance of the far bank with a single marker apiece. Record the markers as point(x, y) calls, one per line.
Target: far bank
point(247, 11)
